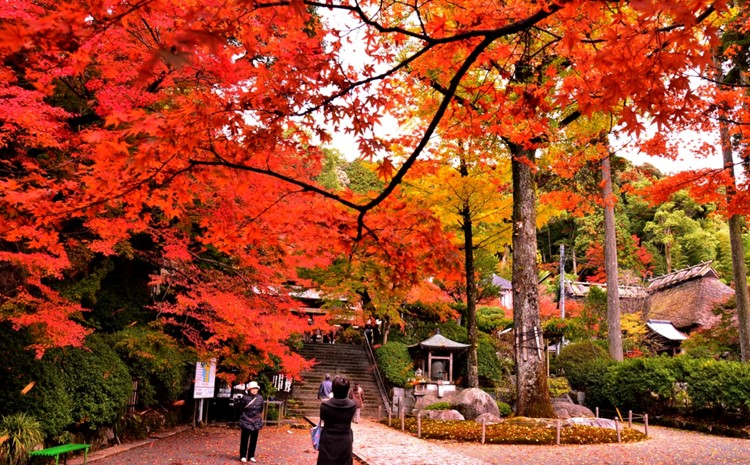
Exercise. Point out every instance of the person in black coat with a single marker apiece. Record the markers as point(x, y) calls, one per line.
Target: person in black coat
point(251, 421)
point(336, 417)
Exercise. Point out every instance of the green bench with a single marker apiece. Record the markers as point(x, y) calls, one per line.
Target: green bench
point(63, 449)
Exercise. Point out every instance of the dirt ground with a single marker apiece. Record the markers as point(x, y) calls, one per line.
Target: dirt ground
point(283, 445)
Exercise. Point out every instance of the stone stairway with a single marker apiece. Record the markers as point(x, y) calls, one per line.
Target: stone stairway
point(347, 360)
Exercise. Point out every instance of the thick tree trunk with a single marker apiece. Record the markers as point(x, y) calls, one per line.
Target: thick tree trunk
point(531, 381)
point(472, 370)
point(614, 335)
point(739, 267)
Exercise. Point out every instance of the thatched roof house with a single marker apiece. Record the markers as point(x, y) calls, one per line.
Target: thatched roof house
point(687, 297)
point(632, 298)
point(665, 337)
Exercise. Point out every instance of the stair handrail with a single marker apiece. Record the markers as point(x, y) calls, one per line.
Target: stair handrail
point(378, 376)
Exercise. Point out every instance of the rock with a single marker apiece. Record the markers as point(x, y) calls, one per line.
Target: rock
point(569, 410)
point(442, 415)
point(532, 422)
point(489, 419)
point(598, 422)
point(474, 402)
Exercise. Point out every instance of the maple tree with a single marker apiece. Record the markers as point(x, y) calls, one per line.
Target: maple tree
point(722, 111)
point(219, 123)
point(188, 149)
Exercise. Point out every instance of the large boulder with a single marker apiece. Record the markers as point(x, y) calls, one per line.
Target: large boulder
point(597, 422)
point(473, 402)
point(442, 415)
point(566, 410)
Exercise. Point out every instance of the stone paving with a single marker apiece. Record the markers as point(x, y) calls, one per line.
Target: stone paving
point(377, 444)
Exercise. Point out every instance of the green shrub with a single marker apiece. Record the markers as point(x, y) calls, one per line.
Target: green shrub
point(505, 410)
point(157, 361)
point(490, 319)
point(439, 406)
point(47, 397)
point(719, 386)
point(21, 434)
point(350, 336)
point(558, 387)
point(492, 369)
point(395, 363)
point(595, 388)
point(97, 381)
point(641, 384)
point(571, 329)
point(575, 360)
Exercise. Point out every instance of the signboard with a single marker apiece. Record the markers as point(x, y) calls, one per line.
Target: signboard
point(205, 379)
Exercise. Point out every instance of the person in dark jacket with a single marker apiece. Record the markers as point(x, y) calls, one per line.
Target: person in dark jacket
point(336, 417)
point(251, 421)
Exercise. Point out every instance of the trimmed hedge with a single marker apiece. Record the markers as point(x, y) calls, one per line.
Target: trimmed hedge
point(660, 384)
point(395, 363)
point(719, 386)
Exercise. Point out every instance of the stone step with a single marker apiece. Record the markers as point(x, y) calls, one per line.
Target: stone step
point(347, 360)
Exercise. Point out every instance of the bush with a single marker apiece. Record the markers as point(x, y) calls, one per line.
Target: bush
point(595, 388)
point(558, 387)
point(21, 434)
point(492, 369)
point(490, 319)
point(47, 397)
point(395, 363)
point(719, 386)
point(505, 410)
point(575, 361)
point(641, 384)
point(350, 336)
point(439, 406)
point(97, 381)
point(160, 365)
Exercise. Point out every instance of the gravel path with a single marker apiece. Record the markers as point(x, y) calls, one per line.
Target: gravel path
point(217, 445)
point(665, 446)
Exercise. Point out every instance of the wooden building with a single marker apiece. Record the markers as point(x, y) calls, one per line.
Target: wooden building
point(687, 297)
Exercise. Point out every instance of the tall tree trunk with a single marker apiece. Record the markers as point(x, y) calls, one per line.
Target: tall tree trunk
point(739, 267)
point(472, 370)
point(614, 335)
point(575, 263)
point(528, 348)
point(668, 251)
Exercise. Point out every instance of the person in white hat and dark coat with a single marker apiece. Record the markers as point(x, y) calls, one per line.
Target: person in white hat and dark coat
point(251, 421)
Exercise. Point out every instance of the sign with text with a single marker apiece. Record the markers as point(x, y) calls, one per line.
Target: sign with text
point(205, 379)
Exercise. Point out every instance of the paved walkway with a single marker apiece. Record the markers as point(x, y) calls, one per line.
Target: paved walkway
point(376, 444)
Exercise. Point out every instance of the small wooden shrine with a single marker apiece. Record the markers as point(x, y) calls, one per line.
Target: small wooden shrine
point(435, 358)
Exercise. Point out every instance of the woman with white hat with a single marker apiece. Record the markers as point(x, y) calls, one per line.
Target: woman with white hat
point(251, 421)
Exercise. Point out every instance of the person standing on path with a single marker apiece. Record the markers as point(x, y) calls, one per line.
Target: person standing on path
point(251, 421)
point(357, 394)
point(336, 416)
point(325, 389)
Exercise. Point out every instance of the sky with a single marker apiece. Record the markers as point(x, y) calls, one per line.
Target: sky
point(346, 143)
point(686, 160)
